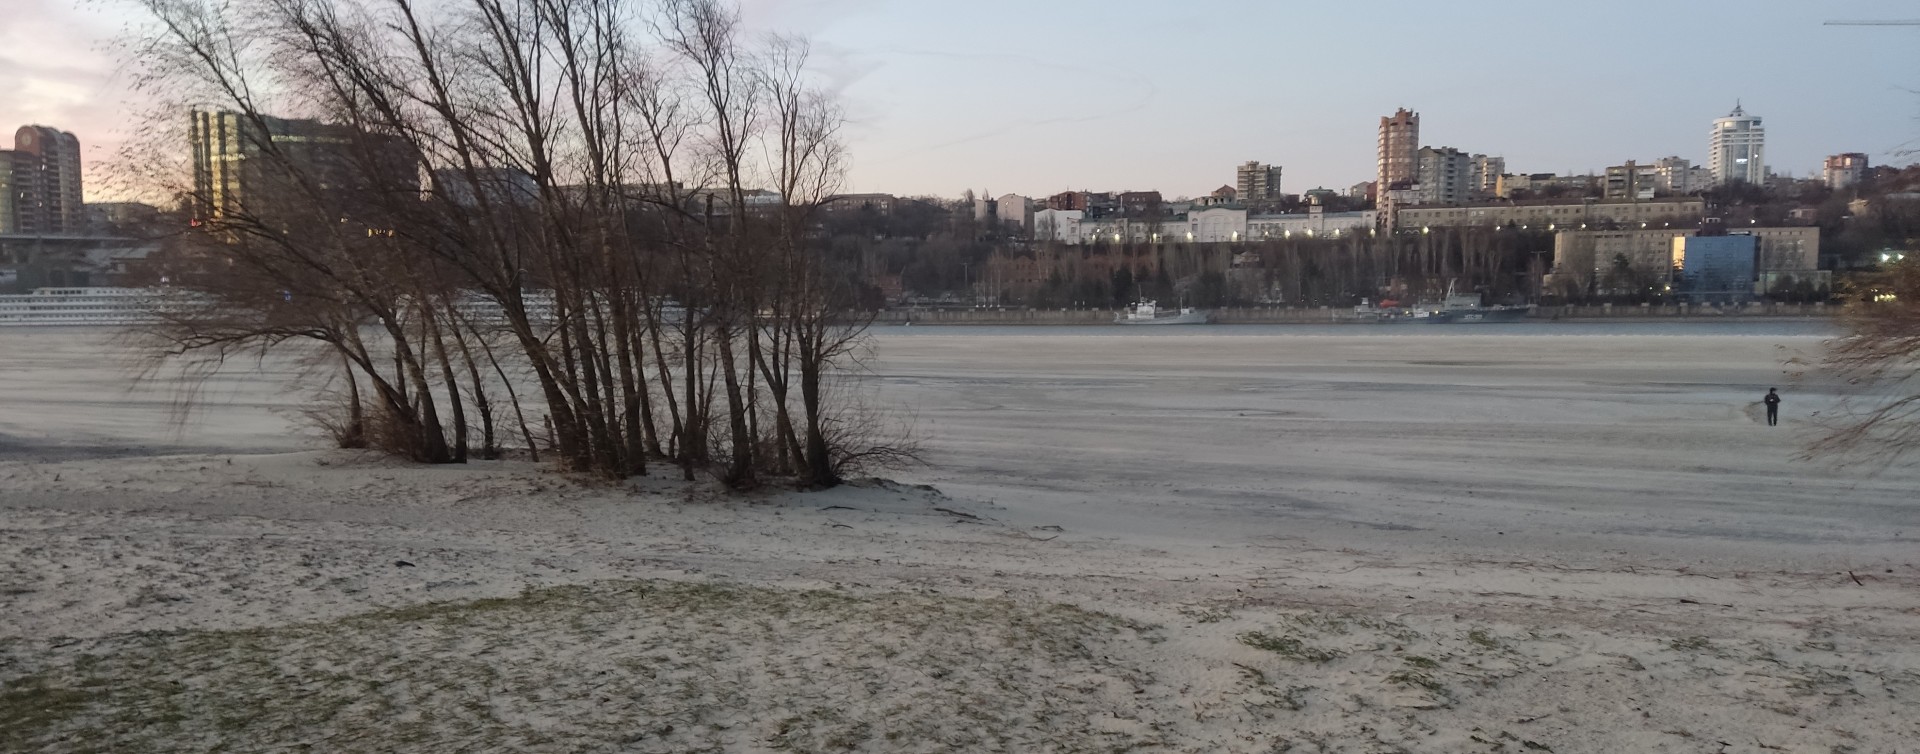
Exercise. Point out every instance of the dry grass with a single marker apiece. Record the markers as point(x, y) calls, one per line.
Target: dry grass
point(628, 666)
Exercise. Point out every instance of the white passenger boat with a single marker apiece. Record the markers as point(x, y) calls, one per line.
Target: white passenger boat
point(1146, 312)
point(79, 306)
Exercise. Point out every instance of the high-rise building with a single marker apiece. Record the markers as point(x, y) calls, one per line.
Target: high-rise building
point(1845, 170)
point(1445, 175)
point(1399, 161)
point(1257, 182)
point(259, 166)
point(1737, 149)
point(1485, 180)
point(1399, 148)
point(40, 184)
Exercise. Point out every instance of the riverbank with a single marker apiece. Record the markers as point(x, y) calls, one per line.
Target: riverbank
point(1330, 315)
point(1252, 543)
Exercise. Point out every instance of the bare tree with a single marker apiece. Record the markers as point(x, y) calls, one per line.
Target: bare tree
point(496, 191)
point(1879, 360)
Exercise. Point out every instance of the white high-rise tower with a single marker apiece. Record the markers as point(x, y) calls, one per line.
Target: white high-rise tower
point(1738, 149)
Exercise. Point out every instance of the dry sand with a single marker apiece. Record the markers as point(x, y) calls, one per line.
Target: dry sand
point(1217, 540)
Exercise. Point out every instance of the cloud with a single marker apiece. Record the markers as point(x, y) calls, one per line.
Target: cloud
point(56, 69)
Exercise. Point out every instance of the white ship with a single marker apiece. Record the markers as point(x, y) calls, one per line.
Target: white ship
point(1149, 313)
point(80, 306)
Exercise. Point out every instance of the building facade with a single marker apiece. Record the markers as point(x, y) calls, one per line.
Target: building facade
point(40, 178)
point(1484, 181)
point(1316, 222)
point(1445, 176)
point(882, 204)
point(1058, 225)
point(1737, 149)
point(1015, 210)
point(1552, 215)
point(1845, 171)
point(1678, 176)
point(1257, 182)
point(1631, 181)
point(262, 167)
point(1715, 269)
point(1399, 147)
point(1591, 260)
point(1399, 159)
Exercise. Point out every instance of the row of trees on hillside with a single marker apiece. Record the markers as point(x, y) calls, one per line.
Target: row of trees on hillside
point(531, 222)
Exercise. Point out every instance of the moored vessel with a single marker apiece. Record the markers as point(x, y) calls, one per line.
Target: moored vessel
point(1146, 312)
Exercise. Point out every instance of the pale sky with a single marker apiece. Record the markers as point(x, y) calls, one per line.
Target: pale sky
point(1042, 96)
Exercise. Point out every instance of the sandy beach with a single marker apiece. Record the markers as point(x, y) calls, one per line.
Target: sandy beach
point(1219, 540)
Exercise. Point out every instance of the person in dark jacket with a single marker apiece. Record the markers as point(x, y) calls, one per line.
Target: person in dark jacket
point(1773, 406)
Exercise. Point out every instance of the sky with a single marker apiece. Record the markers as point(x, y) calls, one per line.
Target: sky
point(1043, 96)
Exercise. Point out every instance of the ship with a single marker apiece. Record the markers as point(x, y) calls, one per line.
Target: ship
point(1467, 309)
point(1146, 312)
point(1454, 309)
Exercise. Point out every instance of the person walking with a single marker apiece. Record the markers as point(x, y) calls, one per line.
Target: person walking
point(1773, 406)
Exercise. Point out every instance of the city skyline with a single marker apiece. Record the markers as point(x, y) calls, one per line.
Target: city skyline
point(1069, 98)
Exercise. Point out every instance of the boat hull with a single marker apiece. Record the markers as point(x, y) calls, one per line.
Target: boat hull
point(1476, 316)
point(1189, 318)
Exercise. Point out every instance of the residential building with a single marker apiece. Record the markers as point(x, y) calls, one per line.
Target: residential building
point(1399, 147)
point(1484, 180)
point(1737, 149)
point(40, 178)
point(985, 208)
point(1068, 200)
point(1316, 222)
point(1555, 215)
point(1844, 171)
point(1399, 159)
point(1679, 177)
point(1363, 191)
point(1014, 209)
point(1445, 176)
point(1631, 181)
point(1256, 182)
point(1141, 203)
point(1542, 184)
point(1061, 225)
point(883, 204)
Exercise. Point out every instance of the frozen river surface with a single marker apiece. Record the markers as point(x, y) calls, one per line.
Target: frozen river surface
point(1636, 443)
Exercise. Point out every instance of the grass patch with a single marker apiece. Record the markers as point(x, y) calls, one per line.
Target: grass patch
point(1440, 694)
point(32, 703)
point(627, 666)
point(1691, 644)
point(1288, 647)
